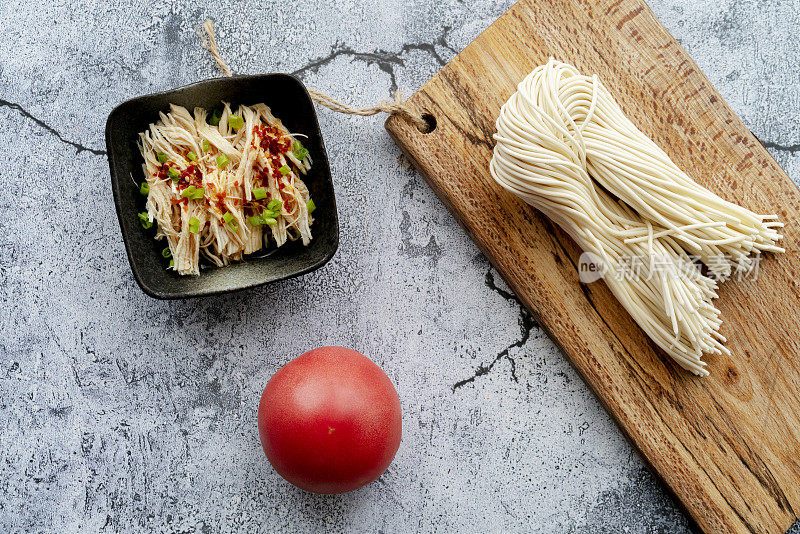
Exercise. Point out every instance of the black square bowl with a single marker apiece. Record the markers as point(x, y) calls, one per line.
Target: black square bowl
point(290, 102)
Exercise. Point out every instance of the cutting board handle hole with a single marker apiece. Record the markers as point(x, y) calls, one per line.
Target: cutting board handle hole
point(430, 121)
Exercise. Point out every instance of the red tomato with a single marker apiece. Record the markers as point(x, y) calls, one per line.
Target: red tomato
point(329, 420)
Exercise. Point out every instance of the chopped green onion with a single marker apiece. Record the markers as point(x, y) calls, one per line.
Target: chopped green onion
point(191, 155)
point(206, 145)
point(235, 122)
point(222, 161)
point(268, 214)
point(260, 193)
point(256, 220)
point(271, 222)
point(174, 173)
point(215, 117)
point(162, 158)
point(274, 204)
point(310, 206)
point(172, 263)
point(230, 221)
point(300, 152)
point(145, 188)
point(194, 225)
point(285, 170)
point(166, 253)
point(145, 218)
point(193, 193)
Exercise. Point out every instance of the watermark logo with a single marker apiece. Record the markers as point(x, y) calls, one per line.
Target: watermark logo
point(591, 268)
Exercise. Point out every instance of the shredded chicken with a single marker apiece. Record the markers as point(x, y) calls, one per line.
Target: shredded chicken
point(224, 191)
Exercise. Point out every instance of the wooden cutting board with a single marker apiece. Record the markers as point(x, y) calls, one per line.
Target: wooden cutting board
point(728, 446)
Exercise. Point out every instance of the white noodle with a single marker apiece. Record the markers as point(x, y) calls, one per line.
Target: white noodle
point(227, 190)
point(565, 147)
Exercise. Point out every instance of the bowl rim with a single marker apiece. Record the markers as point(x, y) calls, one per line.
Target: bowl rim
point(115, 185)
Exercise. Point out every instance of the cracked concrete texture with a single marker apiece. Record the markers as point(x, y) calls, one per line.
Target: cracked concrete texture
point(119, 413)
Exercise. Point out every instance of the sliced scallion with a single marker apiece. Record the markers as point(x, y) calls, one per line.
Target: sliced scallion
point(260, 193)
point(144, 188)
point(167, 253)
point(193, 193)
point(310, 206)
point(300, 152)
point(206, 145)
point(191, 156)
point(174, 173)
point(255, 220)
point(172, 263)
point(235, 121)
point(230, 220)
point(145, 219)
point(270, 221)
point(215, 117)
point(285, 170)
point(274, 204)
point(162, 158)
point(194, 225)
point(222, 161)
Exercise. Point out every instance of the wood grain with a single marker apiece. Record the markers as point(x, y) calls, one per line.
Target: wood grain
point(728, 446)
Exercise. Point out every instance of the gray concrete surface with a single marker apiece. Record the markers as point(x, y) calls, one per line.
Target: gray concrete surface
point(119, 413)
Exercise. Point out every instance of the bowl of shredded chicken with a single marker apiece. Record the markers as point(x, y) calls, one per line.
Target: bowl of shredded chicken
point(223, 184)
point(217, 193)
